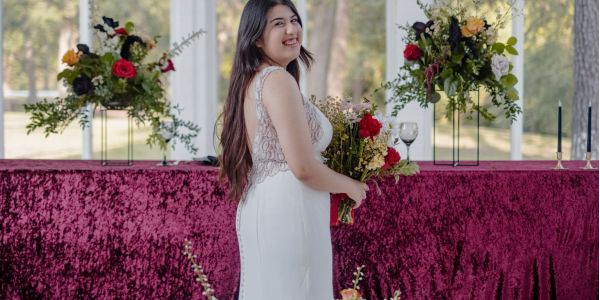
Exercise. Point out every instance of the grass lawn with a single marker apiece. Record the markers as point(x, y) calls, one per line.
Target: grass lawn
point(494, 142)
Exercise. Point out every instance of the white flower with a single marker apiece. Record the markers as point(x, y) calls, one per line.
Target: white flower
point(499, 66)
point(491, 35)
point(98, 80)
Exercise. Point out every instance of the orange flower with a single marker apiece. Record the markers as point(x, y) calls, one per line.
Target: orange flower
point(350, 294)
point(70, 58)
point(474, 26)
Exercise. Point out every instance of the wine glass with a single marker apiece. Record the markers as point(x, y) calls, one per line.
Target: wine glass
point(408, 134)
point(166, 131)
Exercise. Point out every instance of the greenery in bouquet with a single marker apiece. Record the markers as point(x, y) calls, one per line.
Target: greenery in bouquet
point(362, 147)
point(118, 75)
point(457, 51)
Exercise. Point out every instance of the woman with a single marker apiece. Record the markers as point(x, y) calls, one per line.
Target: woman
point(272, 141)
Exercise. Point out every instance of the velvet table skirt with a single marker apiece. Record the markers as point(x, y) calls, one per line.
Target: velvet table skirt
point(503, 230)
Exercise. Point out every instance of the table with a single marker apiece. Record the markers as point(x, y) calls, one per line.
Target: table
point(75, 229)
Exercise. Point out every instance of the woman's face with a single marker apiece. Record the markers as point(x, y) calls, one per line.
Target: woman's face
point(282, 37)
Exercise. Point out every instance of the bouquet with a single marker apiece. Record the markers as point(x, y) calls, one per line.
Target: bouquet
point(116, 76)
point(456, 51)
point(362, 147)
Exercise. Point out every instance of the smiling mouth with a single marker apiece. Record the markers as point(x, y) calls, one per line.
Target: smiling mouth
point(291, 43)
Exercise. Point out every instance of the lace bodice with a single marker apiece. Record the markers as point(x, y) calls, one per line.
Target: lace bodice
point(267, 155)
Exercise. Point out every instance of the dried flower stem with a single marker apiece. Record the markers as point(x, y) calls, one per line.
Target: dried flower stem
point(200, 276)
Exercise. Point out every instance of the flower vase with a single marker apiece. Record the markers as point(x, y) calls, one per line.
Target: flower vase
point(104, 137)
point(455, 155)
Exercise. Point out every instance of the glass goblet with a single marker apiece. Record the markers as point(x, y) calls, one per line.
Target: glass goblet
point(408, 134)
point(166, 131)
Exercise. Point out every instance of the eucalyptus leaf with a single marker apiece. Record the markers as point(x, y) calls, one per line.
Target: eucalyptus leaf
point(450, 87)
point(511, 41)
point(511, 50)
point(509, 80)
point(434, 97)
point(512, 94)
point(498, 48)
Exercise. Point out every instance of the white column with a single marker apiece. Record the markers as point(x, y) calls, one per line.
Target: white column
point(194, 83)
point(301, 7)
point(516, 129)
point(401, 13)
point(1, 82)
point(85, 38)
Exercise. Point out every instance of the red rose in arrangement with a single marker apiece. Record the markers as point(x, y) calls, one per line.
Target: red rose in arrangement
point(391, 159)
point(123, 69)
point(412, 52)
point(368, 126)
point(121, 31)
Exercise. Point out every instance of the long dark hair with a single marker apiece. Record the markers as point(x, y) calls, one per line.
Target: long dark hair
point(236, 159)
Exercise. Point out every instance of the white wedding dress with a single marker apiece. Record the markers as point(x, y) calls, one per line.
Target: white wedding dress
point(282, 224)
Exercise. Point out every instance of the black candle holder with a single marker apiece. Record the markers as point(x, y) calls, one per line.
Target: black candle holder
point(456, 158)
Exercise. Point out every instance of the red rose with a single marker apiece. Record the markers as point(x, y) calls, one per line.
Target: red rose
point(123, 69)
point(168, 67)
point(368, 126)
point(391, 158)
point(121, 31)
point(412, 52)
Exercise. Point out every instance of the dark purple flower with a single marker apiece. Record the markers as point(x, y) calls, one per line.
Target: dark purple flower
point(454, 34)
point(110, 22)
point(421, 28)
point(82, 85)
point(100, 28)
point(129, 41)
point(83, 48)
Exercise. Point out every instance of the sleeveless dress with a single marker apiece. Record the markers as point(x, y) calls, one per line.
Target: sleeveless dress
point(282, 224)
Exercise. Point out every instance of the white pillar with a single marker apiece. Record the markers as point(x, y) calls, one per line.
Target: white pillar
point(516, 129)
point(194, 83)
point(85, 38)
point(401, 13)
point(1, 82)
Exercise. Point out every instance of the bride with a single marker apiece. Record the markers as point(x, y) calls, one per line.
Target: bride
point(272, 141)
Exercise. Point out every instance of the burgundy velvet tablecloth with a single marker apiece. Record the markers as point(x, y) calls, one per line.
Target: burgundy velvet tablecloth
point(504, 230)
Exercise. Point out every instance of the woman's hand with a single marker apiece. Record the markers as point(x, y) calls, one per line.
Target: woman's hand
point(358, 192)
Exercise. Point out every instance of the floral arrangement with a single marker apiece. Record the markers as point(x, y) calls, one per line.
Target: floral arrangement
point(116, 76)
point(456, 51)
point(354, 292)
point(201, 278)
point(362, 147)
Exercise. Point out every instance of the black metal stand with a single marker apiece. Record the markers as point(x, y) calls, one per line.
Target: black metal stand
point(104, 140)
point(456, 159)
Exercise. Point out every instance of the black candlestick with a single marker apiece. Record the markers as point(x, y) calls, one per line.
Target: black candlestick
point(559, 148)
point(589, 129)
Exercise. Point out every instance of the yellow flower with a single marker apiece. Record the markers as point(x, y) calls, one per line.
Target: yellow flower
point(474, 26)
point(70, 58)
point(377, 162)
point(350, 294)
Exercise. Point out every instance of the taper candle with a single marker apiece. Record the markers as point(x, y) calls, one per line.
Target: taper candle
point(589, 128)
point(559, 147)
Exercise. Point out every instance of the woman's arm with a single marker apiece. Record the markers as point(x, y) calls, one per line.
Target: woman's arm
point(284, 105)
